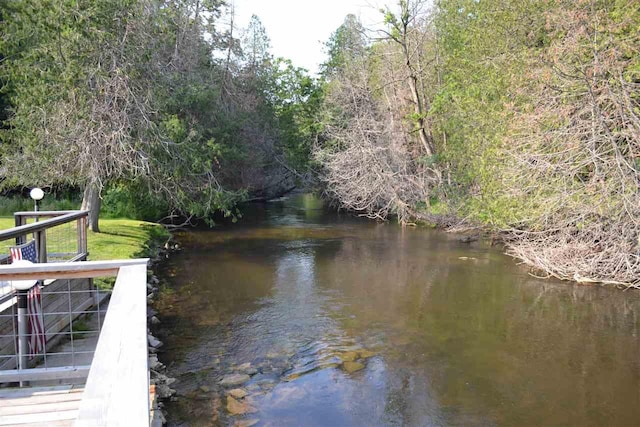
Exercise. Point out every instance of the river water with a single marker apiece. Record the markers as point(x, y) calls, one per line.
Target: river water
point(342, 321)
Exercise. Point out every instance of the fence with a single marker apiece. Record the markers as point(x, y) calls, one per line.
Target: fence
point(59, 236)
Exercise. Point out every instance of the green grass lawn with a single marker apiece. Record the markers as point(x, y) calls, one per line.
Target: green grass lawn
point(119, 238)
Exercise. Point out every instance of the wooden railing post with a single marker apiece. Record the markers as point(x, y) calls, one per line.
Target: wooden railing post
point(82, 235)
point(19, 221)
point(117, 389)
point(41, 245)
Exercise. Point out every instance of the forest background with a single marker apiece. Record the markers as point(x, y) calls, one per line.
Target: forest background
point(517, 117)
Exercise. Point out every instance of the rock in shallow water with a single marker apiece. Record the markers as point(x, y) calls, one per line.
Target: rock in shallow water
point(154, 342)
point(236, 407)
point(351, 367)
point(246, 423)
point(234, 379)
point(365, 354)
point(348, 356)
point(238, 393)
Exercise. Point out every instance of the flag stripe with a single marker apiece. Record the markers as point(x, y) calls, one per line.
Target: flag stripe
point(37, 337)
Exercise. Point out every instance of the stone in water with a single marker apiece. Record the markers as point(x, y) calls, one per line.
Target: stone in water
point(234, 379)
point(239, 408)
point(247, 423)
point(348, 356)
point(238, 393)
point(352, 367)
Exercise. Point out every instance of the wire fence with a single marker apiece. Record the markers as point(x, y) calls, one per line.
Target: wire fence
point(71, 314)
point(59, 235)
point(61, 242)
point(64, 317)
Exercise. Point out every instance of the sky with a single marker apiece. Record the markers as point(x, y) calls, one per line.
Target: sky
point(299, 28)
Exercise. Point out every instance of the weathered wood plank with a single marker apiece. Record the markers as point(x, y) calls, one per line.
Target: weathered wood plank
point(42, 399)
point(59, 423)
point(40, 214)
point(117, 390)
point(48, 418)
point(43, 374)
point(56, 406)
point(67, 270)
point(38, 399)
point(11, 393)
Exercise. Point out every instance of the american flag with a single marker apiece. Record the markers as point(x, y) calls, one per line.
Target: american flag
point(26, 251)
point(37, 336)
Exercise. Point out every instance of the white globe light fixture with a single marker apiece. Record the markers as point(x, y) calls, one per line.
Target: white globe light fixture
point(36, 194)
point(22, 285)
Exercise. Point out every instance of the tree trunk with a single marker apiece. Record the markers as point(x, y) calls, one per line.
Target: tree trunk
point(91, 201)
point(425, 138)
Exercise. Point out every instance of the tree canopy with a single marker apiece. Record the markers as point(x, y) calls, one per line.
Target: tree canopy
point(160, 96)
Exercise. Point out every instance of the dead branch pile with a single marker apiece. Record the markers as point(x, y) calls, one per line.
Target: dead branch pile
point(579, 169)
point(368, 167)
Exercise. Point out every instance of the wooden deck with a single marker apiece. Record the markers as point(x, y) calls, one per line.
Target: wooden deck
point(117, 391)
point(40, 406)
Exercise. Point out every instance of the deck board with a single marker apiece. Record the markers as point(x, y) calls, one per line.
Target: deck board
point(41, 399)
point(40, 406)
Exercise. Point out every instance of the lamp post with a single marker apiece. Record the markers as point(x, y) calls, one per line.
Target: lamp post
point(36, 194)
point(22, 287)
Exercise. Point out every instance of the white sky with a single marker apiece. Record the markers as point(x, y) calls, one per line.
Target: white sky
point(299, 28)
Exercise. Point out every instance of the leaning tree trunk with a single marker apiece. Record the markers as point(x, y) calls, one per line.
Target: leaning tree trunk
point(91, 202)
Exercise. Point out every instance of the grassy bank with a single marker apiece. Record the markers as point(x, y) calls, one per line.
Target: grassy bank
point(119, 239)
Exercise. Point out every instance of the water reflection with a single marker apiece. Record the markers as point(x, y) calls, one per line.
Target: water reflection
point(447, 333)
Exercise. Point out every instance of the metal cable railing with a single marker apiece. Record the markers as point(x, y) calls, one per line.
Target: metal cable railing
point(71, 313)
point(57, 313)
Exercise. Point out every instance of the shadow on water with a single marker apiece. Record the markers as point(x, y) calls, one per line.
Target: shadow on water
point(339, 321)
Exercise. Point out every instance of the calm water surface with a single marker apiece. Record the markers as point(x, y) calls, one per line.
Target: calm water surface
point(449, 334)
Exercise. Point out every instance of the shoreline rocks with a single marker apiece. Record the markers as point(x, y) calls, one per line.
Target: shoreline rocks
point(157, 370)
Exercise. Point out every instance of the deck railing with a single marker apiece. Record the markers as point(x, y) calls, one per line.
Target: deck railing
point(59, 235)
point(117, 387)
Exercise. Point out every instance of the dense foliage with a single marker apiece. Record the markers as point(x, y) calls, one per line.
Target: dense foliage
point(162, 105)
point(518, 116)
point(522, 116)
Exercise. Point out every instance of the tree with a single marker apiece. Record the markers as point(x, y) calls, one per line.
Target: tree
point(402, 27)
point(256, 45)
point(90, 85)
point(81, 109)
point(348, 43)
point(368, 157)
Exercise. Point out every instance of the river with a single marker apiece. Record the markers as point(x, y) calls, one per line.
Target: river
point(331, 320)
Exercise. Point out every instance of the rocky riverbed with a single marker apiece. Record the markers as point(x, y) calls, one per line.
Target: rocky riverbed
point(230, 393)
